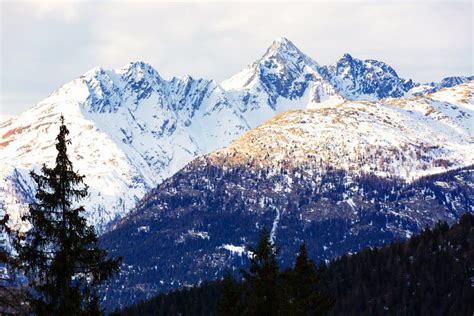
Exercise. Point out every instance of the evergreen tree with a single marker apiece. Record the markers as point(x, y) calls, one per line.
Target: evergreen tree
point(262, 295)
point(303, 283)
point(60, 254)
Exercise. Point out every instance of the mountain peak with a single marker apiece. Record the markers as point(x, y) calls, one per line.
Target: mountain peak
point(276, 70)
point(347, 56)
point(282, 42)
point(134, 68)
point(283, 47)
point(138, 67)
point(93, 72)
point(367, 79)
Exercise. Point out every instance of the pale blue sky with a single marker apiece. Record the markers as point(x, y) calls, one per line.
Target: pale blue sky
point(44, 45)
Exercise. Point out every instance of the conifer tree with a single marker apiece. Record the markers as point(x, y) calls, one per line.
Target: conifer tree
point(60, 254)
point(305, 298)
point(261, 281)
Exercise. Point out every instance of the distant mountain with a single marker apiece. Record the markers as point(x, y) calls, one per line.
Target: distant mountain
point(365, 79)
point(342, 177)
point(284, 78)
point(131, 128)
point(448, 82)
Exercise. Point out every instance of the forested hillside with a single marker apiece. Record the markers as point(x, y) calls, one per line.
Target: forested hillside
point(430, 274)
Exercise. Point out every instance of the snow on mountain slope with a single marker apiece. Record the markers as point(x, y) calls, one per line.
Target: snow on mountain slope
point(130, 129)
point(365, 79)
point(448, 82)
point(407, 138)
point(283, 78)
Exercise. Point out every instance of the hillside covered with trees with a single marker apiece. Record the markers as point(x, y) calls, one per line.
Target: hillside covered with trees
point(430, 274)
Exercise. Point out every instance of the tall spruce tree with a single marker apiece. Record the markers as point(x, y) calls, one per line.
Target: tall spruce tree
point(60, 254)
point(261, 282)
point(303, 287)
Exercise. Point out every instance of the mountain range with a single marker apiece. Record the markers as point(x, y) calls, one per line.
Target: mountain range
point(340, 178)
point(151, 127)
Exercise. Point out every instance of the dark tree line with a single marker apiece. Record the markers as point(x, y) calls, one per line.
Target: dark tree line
point(263, 289)
point(431, 273)
point(59, 254)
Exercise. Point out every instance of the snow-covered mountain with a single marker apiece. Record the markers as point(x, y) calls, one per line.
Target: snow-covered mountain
point(407, 138)
point(448, 82)
point(282, 75)
point(284, 78)
point(339, 177)
point(131, 128)
point(365, 79)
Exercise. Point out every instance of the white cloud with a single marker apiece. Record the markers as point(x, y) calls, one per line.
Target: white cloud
point(44, 45)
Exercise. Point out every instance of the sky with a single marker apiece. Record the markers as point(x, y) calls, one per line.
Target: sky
point(47, 44)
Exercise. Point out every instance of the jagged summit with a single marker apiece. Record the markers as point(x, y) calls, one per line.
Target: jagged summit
point(449, 82)
point(284, 73)
point(346, 56)
point(283, 40)
point(133, 66)
point(283, 53)
point(452, 81)
point(345, 59)
point(281, 76)
point(281, 43)
point(139, 65)
point(353, 61)
point(431, 87)
point(139, 68)
point(368, 79)
point(281, 61)
point(285, 50)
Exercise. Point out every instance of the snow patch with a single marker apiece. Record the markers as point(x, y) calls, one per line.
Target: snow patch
point(237, 250)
